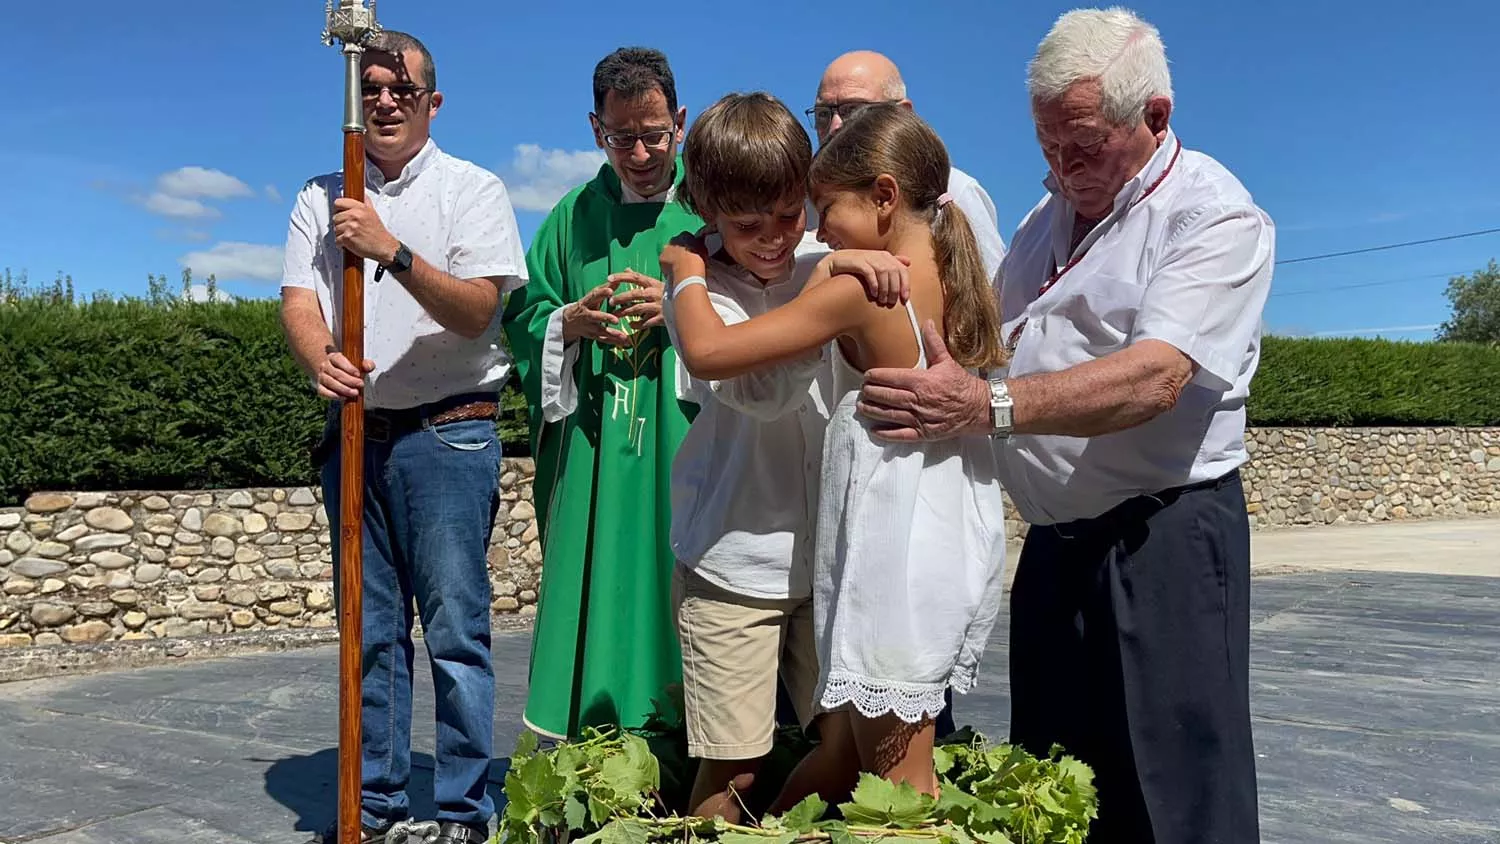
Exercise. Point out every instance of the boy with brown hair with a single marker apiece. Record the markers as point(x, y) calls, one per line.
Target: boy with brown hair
point(745, 479)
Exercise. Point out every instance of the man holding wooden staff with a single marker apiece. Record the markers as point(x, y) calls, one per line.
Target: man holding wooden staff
point(441, 249)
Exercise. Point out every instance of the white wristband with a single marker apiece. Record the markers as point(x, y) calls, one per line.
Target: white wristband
point(685, 283)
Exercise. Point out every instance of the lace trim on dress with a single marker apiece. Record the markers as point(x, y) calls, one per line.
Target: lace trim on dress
point(911, 702)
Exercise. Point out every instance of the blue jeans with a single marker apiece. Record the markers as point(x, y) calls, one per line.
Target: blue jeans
point(430, 500)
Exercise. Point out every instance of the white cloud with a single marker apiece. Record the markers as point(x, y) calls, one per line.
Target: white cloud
point(231, 259)
point(272, 193)
point(179, 207)
point(201, 182)
point(180, 193)
point(540, 177)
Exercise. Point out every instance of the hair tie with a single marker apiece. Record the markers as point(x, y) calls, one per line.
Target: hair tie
point(944, 199)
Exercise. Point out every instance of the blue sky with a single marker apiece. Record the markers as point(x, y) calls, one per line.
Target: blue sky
point(1355, 124)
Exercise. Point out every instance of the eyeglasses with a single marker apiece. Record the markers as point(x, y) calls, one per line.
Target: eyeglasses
point(655, 139)
point(822, 115)
point(399, 93)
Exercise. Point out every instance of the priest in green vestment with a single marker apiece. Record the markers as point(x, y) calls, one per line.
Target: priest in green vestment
point(600, 380)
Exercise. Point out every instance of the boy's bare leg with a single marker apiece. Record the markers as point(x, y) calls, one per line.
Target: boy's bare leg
point(718, 786)
point(896, 750)
point(830, 771)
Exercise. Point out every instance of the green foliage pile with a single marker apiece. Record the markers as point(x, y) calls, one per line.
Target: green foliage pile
point(1359, 383)
point(605, 788)
point(157, 393)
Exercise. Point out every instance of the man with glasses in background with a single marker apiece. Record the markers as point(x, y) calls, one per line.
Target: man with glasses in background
point(599, 374)
point(441, 250)
point(861, 78)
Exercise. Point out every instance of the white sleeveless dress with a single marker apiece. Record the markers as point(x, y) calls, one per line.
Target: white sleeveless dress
point(910, 556)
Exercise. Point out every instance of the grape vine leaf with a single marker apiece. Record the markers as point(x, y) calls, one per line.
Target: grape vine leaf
point(838, 833)
point(531, 787)
point(575, 814)
point(880, 802)
point(620, 831)
point(526, 746)
point(802, 817)
point(598, 810)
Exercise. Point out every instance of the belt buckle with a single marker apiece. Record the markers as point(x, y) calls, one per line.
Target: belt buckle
point(377, 428)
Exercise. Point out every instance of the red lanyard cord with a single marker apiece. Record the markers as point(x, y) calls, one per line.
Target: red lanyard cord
point(1015, 335)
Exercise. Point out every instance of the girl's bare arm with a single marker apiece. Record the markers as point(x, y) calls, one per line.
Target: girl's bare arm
point(712, 350)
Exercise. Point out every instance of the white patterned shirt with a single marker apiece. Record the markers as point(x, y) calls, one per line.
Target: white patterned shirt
point(457, 217)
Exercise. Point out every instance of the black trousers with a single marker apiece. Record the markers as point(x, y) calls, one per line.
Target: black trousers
point(1129, 646)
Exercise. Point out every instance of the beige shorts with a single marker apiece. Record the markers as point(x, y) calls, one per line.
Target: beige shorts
point(732, 650)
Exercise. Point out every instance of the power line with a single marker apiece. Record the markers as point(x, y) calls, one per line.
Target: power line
point(1403, 280)
point(1387, 246)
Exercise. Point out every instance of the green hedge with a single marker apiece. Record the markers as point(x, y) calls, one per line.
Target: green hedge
point(179, 395)
point(135, 395)
point(1357, 382)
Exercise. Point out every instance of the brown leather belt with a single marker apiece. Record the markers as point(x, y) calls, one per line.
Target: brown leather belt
point(381, 425)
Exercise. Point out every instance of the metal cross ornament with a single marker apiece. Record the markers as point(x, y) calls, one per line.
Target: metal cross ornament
point(350, 22)
point(354, 27)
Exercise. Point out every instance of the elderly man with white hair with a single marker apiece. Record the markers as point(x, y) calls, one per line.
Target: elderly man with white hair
point(1132, 299)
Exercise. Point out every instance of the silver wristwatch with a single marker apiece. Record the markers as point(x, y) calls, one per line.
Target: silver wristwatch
point(1000, 408)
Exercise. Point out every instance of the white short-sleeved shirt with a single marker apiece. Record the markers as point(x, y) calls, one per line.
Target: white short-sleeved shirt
point(745, 478)
point(457, 217)
point(1189, 264)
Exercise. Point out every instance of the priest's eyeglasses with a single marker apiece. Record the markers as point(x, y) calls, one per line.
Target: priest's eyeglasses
point(654, 139)
point(626, 140)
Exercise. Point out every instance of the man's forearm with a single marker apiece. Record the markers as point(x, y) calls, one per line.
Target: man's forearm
point(464, 306)
point(308, 337)
point(1101, 396)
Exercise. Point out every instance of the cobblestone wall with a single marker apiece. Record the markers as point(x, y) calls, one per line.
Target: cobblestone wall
point(90, 567)
point(98, 566)
point(1324, 476)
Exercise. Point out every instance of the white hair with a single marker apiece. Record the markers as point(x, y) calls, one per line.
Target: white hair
point(1114, 46)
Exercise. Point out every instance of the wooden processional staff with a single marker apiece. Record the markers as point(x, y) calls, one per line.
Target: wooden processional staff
point(354, 27)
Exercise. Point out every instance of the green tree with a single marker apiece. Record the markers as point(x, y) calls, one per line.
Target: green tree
point(1475, 300)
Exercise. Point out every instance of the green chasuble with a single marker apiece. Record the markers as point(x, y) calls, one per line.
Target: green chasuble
point(605, 641)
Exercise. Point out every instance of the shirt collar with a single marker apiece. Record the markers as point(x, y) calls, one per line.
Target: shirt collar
point(1063, 248)
point(424, 158)
point(630, 197)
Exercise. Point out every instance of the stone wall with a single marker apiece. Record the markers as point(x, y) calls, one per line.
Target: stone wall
point(1325, 476)
point(89, 567)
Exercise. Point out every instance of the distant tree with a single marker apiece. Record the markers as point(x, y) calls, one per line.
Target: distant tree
point(1475, 300)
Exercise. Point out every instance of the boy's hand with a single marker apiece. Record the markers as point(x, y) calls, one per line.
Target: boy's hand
point(643, 303)
point(886, 277)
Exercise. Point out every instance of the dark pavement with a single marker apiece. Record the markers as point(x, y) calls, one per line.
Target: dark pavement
point(1376, 699)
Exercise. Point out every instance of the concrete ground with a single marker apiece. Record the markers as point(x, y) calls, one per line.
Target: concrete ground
point(1375, 695)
